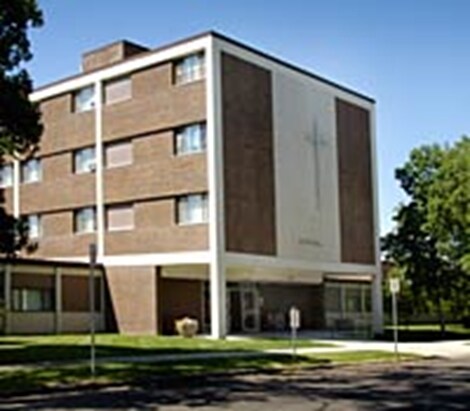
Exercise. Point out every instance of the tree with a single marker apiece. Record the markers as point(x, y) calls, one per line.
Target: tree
point(430, 240)
point(20, 127)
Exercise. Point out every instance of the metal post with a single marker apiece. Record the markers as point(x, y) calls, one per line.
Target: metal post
point(92, 251)
point(395, 323)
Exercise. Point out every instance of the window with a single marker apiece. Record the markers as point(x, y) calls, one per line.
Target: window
point(117, 90)
point(6, 175)
point(120, 217)
point(85, 220)
point(353, 299)
point(190, 68)
point(84, 160)
point(32, 299)
point(84, 99)
point(192, 209)
point(119, 154)
point(31, 171)
point(34, 226)
point(190, 139)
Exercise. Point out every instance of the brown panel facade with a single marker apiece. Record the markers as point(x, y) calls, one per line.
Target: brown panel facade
point(248, 157)
point(133, 294)
point(178, 299)
point(355, 183)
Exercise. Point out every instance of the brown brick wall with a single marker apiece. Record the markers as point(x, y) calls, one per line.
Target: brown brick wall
point(59, 189)
point(109, 54)
point(64, 129)
point(178, 299)
point(156, 171)
point(355, 183)
point(133, 292)
point(157, 232)
point(58, 238)
point(156, 104)
point(248, 157)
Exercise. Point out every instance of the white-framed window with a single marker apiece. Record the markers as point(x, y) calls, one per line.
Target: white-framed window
point(6, 175)
point(31, 171)
point(84, 160)
point(117, 90)
point(32, 299)
point(190, 139)
point(85, 220)
point(118, 154)
point(34, 226)
point(84, 99)
point(192, 209)
point(190, 68)
point(120, 217)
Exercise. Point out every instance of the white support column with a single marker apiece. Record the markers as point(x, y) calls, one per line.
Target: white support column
point(8, 304)
point(99, 182)
point(16, 188)
point(377, 293)
point(216, 197)
point(58, 299)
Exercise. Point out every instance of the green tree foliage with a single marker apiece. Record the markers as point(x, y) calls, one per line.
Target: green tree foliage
point(430, 241)
point(20, 127)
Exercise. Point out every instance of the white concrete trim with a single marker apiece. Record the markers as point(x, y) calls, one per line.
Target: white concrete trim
point(238, 259)
point(193, 257)
point(16, 188)
point(274, 66)
point(99, 180)
point(377, 293)
point(7, 285)
point(216, 199)
point(121, 69)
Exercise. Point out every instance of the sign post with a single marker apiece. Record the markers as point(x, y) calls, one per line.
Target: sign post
point(394, 290)
point(294, 322)
point(91, 295)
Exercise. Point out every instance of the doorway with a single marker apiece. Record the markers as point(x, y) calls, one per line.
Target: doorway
point(243, 308)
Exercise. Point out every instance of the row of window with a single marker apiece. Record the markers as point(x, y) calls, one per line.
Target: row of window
point(188, 69)
point(189, 139)
point(190, 209)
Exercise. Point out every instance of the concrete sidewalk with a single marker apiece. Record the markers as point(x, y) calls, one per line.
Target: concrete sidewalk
point(442, 349)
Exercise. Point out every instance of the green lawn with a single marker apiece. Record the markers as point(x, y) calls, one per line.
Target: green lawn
point(126, 373)
point(20, 349)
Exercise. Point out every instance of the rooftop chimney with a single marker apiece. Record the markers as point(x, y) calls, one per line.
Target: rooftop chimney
point(110, 54)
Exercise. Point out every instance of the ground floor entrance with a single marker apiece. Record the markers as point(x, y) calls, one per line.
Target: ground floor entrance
point(243, 308)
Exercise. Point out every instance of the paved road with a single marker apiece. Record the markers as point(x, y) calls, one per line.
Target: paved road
point(425, 385)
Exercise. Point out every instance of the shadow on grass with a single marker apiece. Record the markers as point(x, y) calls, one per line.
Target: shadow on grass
point(146, 386)
point(172, 374)
point(417, 335)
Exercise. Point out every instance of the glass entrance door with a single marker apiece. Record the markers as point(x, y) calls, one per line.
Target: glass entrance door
point(250, 308)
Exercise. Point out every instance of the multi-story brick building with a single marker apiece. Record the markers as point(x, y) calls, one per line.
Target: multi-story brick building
point(217, 182)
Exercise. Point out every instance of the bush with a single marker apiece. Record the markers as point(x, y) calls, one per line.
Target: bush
point(466, 321)
point(187, 327)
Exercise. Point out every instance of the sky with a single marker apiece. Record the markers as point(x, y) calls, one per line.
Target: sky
point(411, 56)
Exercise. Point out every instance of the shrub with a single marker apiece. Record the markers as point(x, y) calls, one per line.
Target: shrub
point(187, 327)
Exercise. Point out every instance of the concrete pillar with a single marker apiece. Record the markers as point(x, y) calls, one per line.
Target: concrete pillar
point(8, 304)
point(218, 300)
point(58, 300)
point(377, 303)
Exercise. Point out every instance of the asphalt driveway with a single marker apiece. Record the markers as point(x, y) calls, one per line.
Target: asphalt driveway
point(423, 385)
